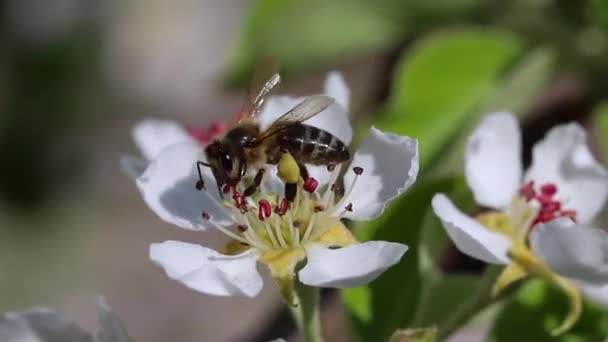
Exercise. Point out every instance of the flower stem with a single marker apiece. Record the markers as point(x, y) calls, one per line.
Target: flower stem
point(471, 307)
point(306, 313)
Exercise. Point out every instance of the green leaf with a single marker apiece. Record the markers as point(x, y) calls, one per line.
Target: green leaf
point(516, 93)
point(520, 88)
point(600, 123)
point(390, 302)
point(303, 33)
point(415, 335)
point(537, 308)
point(442, 80)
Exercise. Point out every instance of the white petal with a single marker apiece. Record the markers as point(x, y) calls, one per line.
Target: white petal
point(336, 87)
point(205, 270)
point(493, 160)
point(390, 166)
point(563, 158)
point(597, 294)
point(349, 266)
point(134, 167)
point(168, 187)
point(111, 327)
point(470, 236)
point(334, 119)
point(40, 325)
point(575, 251)
point(152, 136)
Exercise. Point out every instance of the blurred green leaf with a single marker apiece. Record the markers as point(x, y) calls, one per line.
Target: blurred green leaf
point(600, 122)
point(516, 93)
point(519, 89)
point(390, 302)
point(304, 33)
point(415, 335)
point(537, 308)
point(442, 80)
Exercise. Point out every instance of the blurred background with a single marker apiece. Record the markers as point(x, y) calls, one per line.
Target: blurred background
point(76, 75)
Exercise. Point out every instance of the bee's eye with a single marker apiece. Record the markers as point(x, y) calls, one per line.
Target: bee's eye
point(226, 162)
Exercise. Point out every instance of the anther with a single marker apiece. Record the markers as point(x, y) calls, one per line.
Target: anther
point(318, 208)
point(264, 209)
point(297, 223)
point(349, 207)
point(358, 170)
point(226, 188)
point(200, 185)
point(241, 228)
point(239, 200)
point(331, 167)
point(548, 189)
point(527, 191)
point(310, 184)
point(337, 189)
point(284, 206)
point(206, 216)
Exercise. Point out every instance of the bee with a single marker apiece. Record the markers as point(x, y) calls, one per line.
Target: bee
point(246, 147)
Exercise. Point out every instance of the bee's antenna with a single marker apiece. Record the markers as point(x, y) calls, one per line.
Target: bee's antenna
point(200, 184)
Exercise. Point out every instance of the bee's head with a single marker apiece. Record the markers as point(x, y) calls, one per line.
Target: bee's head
point(226, 162)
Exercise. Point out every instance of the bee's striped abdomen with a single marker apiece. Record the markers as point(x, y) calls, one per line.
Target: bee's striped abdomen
point(313, 145)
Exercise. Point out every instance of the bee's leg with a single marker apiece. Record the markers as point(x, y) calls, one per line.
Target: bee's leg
point(303, 171)
point(200, 184)
point(257, 180)
point(291, 190)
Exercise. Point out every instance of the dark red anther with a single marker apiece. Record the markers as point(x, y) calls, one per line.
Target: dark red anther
point(217, 128)
point(226, 189)
point(241, 228)
point(527, 191)
point(239, 200)
point(206, 216)
point(283, 206)
point(200, 185)
point(358, 170)
point(311, 184)
point(199, 134)
point(548, 189)
point(349, 207)
point(265, 209)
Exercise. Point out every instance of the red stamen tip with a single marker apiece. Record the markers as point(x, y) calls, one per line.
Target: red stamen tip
point(548, 189)
point(527, 191)
point(283, 206)
point(310, 184)
point(239, 200)
point(265, 209)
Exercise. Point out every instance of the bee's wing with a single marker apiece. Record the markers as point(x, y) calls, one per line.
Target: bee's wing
point(265, 78)
point(308, 108)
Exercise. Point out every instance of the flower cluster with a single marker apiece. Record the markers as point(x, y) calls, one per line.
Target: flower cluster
point(537, 222)
point(304, 240)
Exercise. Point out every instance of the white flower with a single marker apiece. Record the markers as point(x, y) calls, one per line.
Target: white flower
point(42, 324)
point(308, 232)
point(563, 184)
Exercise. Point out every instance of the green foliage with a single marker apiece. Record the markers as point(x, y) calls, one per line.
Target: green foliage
point(537, 308)
point(600, 118)
point(390, 302)
point(441, 82)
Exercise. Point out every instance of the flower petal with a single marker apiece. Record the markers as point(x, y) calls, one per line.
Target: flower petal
point(168, 187)
point(336, 87)
point(152, 136)
point(390, 166)
point(334, 119)
point(563, 158)
point(493, 160)
point(40, 325)
point(111, 327)
point(575, 251)
point(470, 236)
point(349, 266)
point(207, 271)
point(597, 294)
point(134, 167)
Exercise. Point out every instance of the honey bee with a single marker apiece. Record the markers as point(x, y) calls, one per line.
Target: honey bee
point(246, 147)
